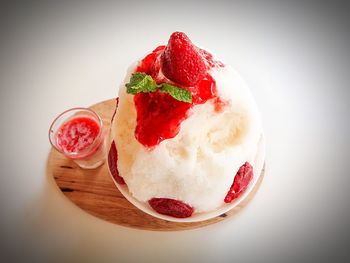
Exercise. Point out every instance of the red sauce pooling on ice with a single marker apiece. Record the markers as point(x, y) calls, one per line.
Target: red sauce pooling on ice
point(77, 134)
point(159, 115)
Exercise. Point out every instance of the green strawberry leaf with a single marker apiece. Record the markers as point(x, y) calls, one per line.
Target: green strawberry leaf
point(177, 93)
point(140, 82)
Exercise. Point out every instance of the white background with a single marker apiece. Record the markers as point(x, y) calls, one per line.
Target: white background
point(295, 58)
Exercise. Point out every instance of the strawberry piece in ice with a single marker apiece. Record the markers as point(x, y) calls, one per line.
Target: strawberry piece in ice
point(112, 162)
point(171, 207)
point(242, 179)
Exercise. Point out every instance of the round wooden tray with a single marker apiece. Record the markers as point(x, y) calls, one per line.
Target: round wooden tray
point(94, 190)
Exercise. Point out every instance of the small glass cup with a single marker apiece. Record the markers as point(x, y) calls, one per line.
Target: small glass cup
point(92, 155)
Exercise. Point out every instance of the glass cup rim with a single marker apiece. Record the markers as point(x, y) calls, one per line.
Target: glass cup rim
point(85, 152)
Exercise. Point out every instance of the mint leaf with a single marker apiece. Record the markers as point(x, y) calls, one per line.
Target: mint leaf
point(177, 93)
point(140, 82)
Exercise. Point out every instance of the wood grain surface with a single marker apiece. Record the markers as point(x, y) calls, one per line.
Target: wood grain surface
point(94, 191)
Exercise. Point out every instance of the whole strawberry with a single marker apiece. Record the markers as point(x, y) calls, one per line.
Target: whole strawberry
point(181, 61)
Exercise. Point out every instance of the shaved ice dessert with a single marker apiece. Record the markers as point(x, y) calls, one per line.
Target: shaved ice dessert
point(185, 133)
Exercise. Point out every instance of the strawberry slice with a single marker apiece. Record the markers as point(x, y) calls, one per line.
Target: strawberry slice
point(112, 163)
point(171, 207)
point(242, 179)
point(181, 61)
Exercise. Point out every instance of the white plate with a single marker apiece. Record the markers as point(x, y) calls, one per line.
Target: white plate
point(196, 217)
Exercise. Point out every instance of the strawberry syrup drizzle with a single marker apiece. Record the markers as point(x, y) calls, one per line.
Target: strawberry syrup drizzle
point(159, 115)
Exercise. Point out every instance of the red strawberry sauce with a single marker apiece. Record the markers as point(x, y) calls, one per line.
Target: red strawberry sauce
point(77, 134)
point(159, 116)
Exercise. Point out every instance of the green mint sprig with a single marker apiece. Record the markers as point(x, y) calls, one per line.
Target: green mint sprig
point(141, 82)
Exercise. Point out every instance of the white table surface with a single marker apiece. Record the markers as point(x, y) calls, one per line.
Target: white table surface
point(295, 58)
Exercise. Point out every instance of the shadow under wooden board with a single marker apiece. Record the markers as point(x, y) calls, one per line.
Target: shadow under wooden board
point(94, 190)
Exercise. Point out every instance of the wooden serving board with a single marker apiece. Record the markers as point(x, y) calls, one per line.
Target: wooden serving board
point(95, 192)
